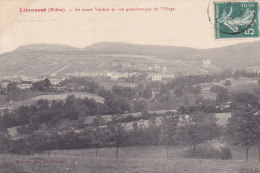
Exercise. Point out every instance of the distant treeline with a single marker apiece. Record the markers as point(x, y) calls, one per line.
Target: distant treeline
point(244, 73)
point(171, 129)
point(70, 109)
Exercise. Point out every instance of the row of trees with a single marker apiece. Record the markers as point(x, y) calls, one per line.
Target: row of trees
point(90, 85)
point(243, 73)
point(169, 130)
point(70, 109)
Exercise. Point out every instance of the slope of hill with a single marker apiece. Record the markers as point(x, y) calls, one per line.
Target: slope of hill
point(46, 47)
point(44, 59)
point(149, 50)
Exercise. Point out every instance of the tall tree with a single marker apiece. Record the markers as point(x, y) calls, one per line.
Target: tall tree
point(169, 129)
point(227, 83)
point(44, 85)
point(72, 108)
point(243, 127)
point(12, 86)
point(4, 142)
point(98, 132)
point(198, 127)
point(117, 132)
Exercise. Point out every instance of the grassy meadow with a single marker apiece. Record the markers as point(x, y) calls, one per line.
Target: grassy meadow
point(242, 84)
point(131, 160)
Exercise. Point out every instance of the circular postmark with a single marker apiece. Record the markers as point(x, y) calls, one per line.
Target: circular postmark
point(240, 31)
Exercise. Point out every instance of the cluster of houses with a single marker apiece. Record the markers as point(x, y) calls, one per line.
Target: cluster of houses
point(21, 86)
point(25, 82)
point(86, 74)
point(21, 78)
point(160, 77)
point(117, 75)
point(55, 84)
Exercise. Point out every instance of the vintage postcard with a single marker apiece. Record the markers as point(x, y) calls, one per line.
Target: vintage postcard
point(129, 86)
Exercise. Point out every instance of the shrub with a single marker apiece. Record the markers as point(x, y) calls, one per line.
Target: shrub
point(208, 151)
point(225, 153)
point(130, 118)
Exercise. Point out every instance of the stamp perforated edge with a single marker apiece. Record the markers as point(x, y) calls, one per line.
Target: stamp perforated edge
point(214, 24)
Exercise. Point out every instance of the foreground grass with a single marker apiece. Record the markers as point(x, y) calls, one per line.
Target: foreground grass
point(131, 160)
point(78, 164)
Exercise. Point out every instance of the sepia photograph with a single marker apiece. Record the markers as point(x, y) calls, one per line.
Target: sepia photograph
point(129, 86)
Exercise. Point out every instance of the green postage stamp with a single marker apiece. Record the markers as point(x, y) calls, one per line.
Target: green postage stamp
point(236, 19)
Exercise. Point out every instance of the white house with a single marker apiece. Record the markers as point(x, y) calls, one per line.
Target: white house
point(24, 86)
point(55, 81)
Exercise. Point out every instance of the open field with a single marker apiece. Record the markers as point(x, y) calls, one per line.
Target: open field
point(242, 84)
point(64, 95)
point(144, 152)
point(131, 160)
point(50, 96)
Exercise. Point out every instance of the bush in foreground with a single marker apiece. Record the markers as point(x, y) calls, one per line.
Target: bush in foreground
point(209, 151)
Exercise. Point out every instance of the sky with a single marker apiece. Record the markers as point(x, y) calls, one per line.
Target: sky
point(188, 25)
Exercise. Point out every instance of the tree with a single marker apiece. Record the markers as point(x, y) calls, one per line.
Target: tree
point(244, 98)
point(134, 134)
point(125, 92)
point(116, 130)
point(139, 105)
point(23, 114)
point(147, 93)
point(243, 127)
point(226, 74)
point(227, 83)
point(117, 105)
point(222, 94)
point(178, 92)
point(4, 142)
point(169, 126)
point(43, 85)
point(98, 132)
point(43, 112)
point(104, 93)
point(196, 90)
point(198, 127)
point(43, 104)
point(12, 86)
point(152, 133)
point(8, 120)
point(71, 108)
point(91, 86)
point(236, 75)
point(46, 83)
